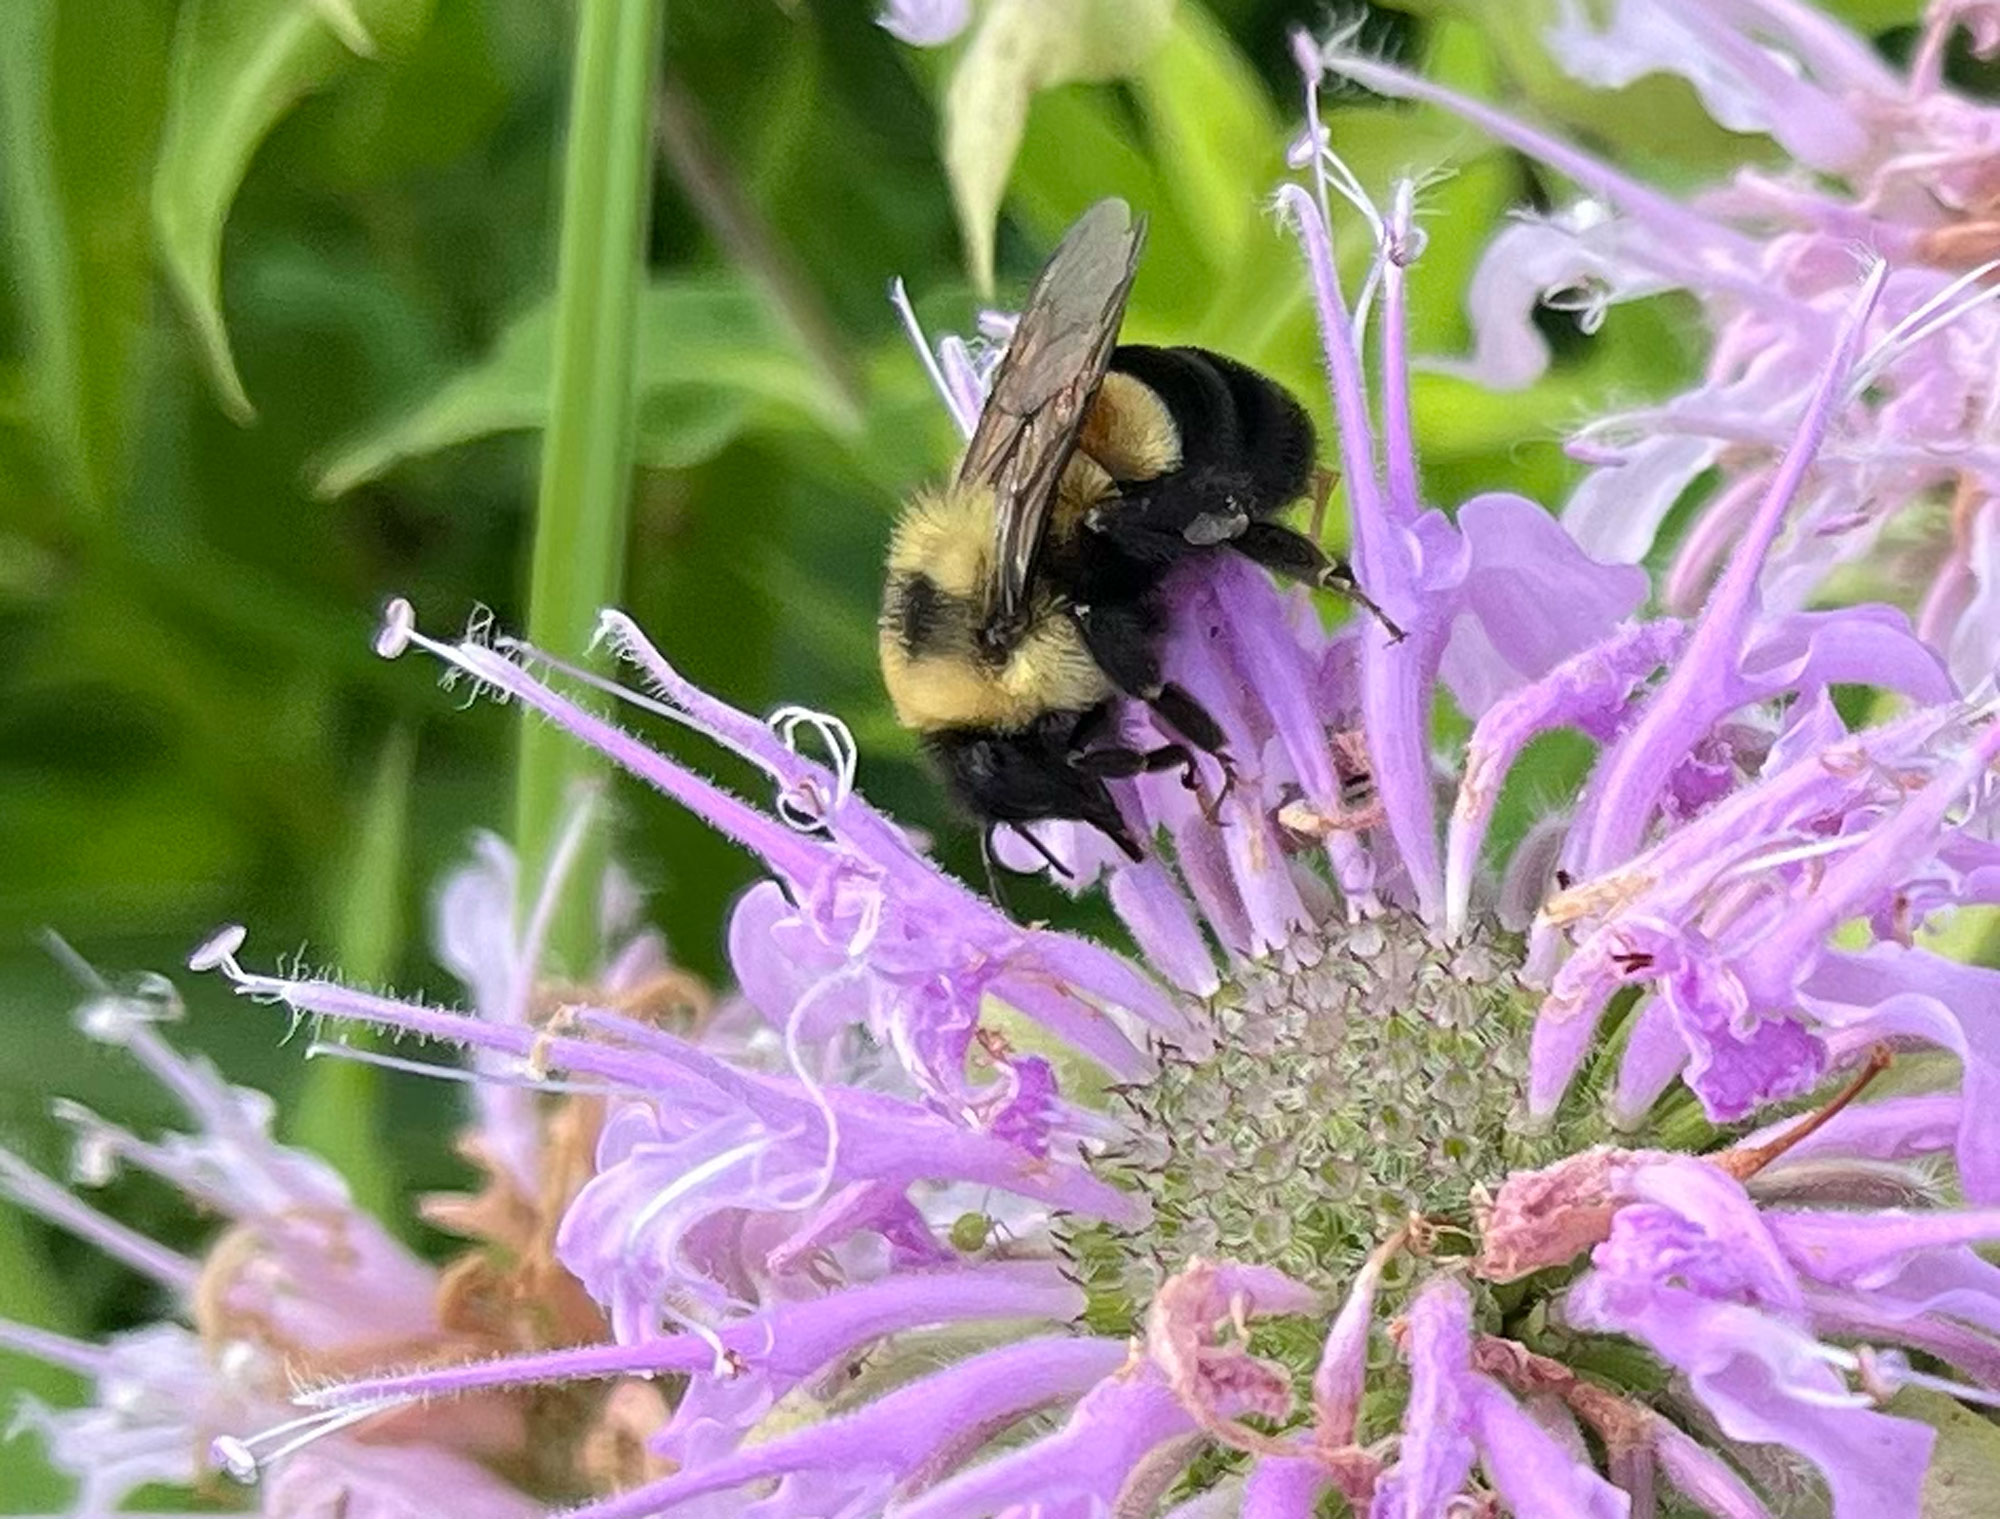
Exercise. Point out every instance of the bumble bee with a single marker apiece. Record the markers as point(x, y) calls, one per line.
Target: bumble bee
point(1022, 600)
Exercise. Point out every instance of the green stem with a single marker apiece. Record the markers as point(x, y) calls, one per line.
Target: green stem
point(338, 1112)
point(581, 506)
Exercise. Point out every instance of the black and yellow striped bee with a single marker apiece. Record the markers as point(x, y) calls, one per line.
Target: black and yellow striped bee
point(1023, 599)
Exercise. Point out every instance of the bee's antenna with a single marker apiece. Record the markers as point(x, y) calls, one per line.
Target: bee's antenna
point(1048, 858)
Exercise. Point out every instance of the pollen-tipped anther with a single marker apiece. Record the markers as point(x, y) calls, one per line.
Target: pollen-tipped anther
point(399, 621)
point(218, 950)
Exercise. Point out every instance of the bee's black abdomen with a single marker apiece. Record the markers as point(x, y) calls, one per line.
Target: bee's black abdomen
point(1232, 421)
point(1198, 395)
point(1246, 453)
point(1277, 436)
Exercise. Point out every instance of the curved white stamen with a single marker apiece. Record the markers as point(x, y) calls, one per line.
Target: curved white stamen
point(1938, 301)
point(1772, 859)
point(1347, 184)
point(721, 1364)
point(868, 923)
point(240, 1459)
point(687, 1182)
point(534, 937)
point(815, 1092)
point(95, 1147)
point(899, 297)
point(218, 950)
point(1312, 59)
point(1317, 139)
point(843, 753)
point(1886, 1372)
point(234, 1457)
point(65, 955)
point(111, 1016)
point(399, 621)
point(334, 1050)
point(1932, 316)
point(615, 631)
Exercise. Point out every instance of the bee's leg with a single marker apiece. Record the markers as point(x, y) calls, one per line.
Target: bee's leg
point(1192, 721)
point(1324, 480)
point(1097, 726)
point(1122, 639)
point(1159, 523)
point(1119, 763)
point(1297, 557)
point(1097, 748)
point(1188, 717)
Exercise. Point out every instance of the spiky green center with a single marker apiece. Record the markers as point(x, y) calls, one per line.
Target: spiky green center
point(1376, 1077)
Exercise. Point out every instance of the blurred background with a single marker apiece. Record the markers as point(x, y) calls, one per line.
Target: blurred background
point(274, 346)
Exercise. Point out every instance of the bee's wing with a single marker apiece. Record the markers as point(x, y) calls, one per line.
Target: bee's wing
point(1042, 388)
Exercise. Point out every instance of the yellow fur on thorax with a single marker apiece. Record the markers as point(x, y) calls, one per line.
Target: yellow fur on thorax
point(948, 536)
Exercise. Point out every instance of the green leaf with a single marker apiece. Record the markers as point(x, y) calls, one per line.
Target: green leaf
point(1217, 141)
point(681, 426)
point(82, 91)
point(338, 1112)
point(238, 67)
point(1020, 47)
point(1964, 1477)
point(711, 359)
point(436, 108)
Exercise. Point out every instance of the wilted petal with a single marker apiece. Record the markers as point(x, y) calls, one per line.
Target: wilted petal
point(1695, 1276)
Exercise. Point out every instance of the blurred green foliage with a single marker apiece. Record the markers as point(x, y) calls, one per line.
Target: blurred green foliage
point(274, 345)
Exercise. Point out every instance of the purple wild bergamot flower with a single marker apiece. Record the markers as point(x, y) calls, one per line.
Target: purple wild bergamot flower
point(1902, 496)
point(301, 1284)
point(1393, 1169)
